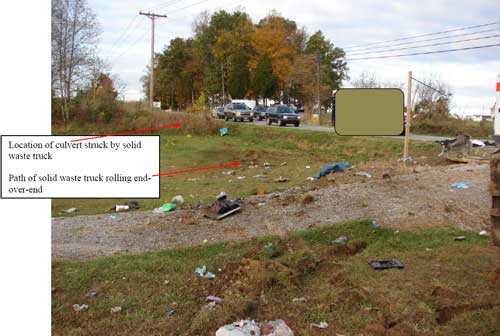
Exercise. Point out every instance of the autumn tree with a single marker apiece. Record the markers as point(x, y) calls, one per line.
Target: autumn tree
point(74, 38)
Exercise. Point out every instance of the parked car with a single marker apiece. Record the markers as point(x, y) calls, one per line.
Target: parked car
point(282, 115)
point(260, 112)
point(218, 112)
point(237, 112)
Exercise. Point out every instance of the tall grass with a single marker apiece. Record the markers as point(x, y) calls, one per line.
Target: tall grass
point(451, 126)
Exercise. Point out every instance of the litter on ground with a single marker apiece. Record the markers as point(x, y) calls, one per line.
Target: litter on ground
point(252, 328)
point(332, 168)
point(203, 273)
point(483, 233)
point(459, 238)
point(79, 307)
point(167, 207)
point(321, 325)
point(281, 179)
point(178, 200)
point(342, 240)
point(459, 185)
point(386, 264)
point(375, 224)
point(365, 174)
point(223, 131)
point(222, 207)
point(115, 310)
point(70, 210)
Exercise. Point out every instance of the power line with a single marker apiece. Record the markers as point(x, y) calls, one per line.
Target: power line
point(430, 87)
point(424, 53)
point(130, 46)
point(426, 45)
point(426, 40)
point(422, 35)
point(164, 4)
point(188, 6)
point(124, 34)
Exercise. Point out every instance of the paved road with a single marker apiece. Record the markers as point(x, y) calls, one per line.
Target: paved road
point(416, 137)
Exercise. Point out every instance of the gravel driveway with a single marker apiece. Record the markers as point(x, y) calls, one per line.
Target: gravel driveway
point(419, 198)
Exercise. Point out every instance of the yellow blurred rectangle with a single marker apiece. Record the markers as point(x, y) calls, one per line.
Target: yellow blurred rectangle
point(369, 111)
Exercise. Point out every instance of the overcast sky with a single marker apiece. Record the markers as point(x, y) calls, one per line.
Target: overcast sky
point(470, 74)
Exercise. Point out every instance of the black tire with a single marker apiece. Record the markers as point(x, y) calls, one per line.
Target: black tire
point(234, 119)
point(269, 122)
point(297, 124)
point(251, 119)
point(282, 123)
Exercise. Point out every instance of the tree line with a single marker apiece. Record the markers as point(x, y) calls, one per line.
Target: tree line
point(231, 57)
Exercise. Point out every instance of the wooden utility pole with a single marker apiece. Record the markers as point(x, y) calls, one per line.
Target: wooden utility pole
point(406, 154)
point(152, 16)
point(318, 100)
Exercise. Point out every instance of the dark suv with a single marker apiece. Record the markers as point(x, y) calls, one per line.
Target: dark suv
point(260, 112)
point(282, 115)
point(237, 112)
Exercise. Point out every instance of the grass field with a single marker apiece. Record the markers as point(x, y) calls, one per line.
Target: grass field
point(251, 145)
point(447, 287)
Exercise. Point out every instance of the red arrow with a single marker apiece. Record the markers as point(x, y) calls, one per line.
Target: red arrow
point(174, 172)
point(140, 131)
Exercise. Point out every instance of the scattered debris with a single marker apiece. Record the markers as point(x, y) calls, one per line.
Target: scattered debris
point(260, 176)
point(477, 143)
point(332, 168)
point(228, 172)
point(300, 299)
point(115, 310)
point(459, 238)
point(321, 325)
point(483, 233)
point(169, 312)
point(459, 185)
point(79, 307)
point(272, 250)
point(281, 179)
point(167, 207)
point(283, 164)
point(252, 328)
point(375, 225)
point(224, 131)
point(177, 200)
point(223, 207)
point(119, 208)
point(386, 176)
point(308, 167)
point(365, 174)
point(214, 298)
point(91, 294)
point(241, 177)
point(385, 264)
point(133, 205)
point(203, 273)
point(310, 178)
point(342, 240)
point(70, 210)
point(112, 216)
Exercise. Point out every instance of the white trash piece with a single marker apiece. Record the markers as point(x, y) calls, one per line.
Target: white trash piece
point(252, 328)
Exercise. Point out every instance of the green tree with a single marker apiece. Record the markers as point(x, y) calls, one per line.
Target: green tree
point(264, 82)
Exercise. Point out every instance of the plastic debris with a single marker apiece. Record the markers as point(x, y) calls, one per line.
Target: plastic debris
point(477, 143)
point(224, 131)
point(321, 325)
point(483, 233)
point(300, 299)
point(169, 312)
point(459, 185)
point(281, 179)
point(70, 210)
point(133, 205)
point(375, 225)
point(79, 307)
point(283, 164)
point(203, 273)
point(332, 168)
point(459, 238)
point(386, 264)
point(214, 298)
point(91, 294)
point(115, 310)
point(252, 328)
point(228, 172)
point(308, 167)
point(310, 178)
point(119, 208)
point(167, 207)
point(178, 200)
point(365, 174)
point(112, 216)
point(342, 240)
point(260, 176)
point(241, 177)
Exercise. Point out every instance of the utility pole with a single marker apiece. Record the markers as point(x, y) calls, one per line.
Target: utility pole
point(223, 90)
point(152, 16)
point(406, 150)
point(318, 83)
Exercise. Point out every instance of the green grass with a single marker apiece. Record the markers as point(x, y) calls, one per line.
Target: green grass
point(249, 144)
point(337, 282)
